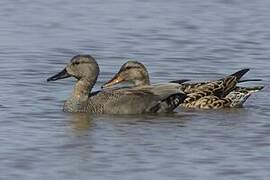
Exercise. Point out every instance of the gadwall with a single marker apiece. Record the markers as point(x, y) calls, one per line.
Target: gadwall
point(119, 101)
point(216, 94)
point(135, 73)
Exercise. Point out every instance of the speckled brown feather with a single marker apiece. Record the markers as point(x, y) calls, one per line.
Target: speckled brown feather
point(212, 95)
point(198, 100)
point(208, 102)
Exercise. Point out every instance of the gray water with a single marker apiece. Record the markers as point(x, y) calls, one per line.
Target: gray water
point(193, 39)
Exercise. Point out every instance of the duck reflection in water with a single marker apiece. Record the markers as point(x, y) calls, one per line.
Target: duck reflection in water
point(80, 122)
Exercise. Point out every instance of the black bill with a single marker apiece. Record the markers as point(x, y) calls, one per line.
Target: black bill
point(62, 75)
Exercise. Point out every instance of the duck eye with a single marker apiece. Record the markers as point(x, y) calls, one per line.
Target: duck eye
point(76, 63)
point(129, 67)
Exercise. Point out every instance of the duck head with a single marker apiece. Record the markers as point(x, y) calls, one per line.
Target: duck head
point(133, 72)
point(82, 67)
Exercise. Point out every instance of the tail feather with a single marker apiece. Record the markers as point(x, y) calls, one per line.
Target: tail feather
point(229, 82)
point(248, 80)
point(239, 96)
point(240, 74)
point(180, 81)
point(249, 89)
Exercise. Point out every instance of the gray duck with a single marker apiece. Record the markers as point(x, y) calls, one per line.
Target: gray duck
point(118, 101)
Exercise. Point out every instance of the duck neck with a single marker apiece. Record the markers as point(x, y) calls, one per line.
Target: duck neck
point(83, 88)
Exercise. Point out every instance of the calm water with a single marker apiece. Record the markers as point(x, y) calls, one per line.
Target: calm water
point(176, 39)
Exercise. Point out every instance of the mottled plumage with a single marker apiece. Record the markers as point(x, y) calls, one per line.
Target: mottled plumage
point(218, 94)
point(235, 98)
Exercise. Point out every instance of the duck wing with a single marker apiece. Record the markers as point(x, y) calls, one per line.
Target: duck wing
point(137, 101)
point(168, 104)
point(163, 90)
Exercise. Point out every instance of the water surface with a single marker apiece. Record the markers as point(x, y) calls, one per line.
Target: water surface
point(195, 39)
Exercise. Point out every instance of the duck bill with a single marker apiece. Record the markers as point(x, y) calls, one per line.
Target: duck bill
point(61, 75)
point(115, 80)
